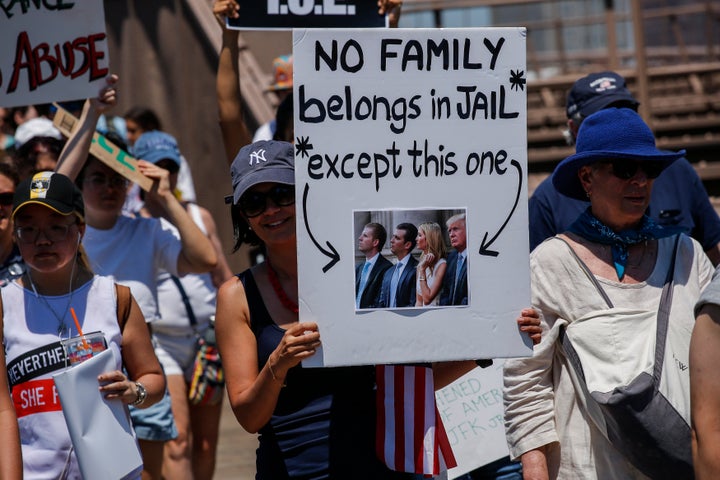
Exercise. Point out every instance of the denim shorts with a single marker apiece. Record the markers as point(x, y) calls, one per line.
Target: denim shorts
point(154, 423)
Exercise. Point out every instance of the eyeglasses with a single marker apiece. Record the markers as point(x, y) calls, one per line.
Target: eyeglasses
point(6, 199)
point(54, 233)
point(253, 204)
point(100, 181)
point(627, 169)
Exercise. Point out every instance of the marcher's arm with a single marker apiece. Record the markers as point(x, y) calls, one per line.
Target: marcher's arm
point(197, 254)
point(229, 98)
point(140, 362)
point(254, 392)
point(392, 9)
point(11, 467)
point(705, 392)
point(75, 153)
point(534, 465)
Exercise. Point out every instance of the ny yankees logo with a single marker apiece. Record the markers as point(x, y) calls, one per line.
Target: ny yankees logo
point(257, 155)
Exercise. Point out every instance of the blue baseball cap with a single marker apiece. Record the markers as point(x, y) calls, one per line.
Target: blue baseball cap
point(155, 146)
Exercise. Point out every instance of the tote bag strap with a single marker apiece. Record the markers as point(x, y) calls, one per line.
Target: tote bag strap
point(589, 274)
point(663, 317)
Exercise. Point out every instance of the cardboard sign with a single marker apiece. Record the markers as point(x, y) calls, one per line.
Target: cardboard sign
point(414, 126)
point(104, 150)
point(52, 51)
point(288, 14)
point(471, 409)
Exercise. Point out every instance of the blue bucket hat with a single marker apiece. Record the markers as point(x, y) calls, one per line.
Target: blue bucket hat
point(266, 161)
point(154, 146)
point(609, 134)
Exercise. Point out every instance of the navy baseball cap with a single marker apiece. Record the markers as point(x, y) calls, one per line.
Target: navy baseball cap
point(597, 91)
point(265, 161)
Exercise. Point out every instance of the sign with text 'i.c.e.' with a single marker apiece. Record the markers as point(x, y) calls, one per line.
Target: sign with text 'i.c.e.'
point(52, 51)
point(412, 143)
point(288, 14)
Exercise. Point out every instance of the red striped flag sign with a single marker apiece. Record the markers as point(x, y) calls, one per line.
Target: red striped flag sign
point(410, 436)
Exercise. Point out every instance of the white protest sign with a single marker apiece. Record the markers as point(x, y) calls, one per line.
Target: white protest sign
point(412, 126)
point(471, 409)
point(52, 51)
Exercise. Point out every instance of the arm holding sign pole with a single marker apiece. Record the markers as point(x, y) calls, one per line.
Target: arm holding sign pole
point(232, 123)
point(73, 156)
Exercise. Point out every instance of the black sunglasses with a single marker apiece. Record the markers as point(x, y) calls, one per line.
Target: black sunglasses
point(6, 199)
point(253, 204)
point(627, 169)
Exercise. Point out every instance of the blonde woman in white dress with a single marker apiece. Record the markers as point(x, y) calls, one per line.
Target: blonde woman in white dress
point(432, 265)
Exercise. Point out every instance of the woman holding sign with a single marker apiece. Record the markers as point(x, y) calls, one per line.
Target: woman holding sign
point(45, 314)
point(313, 423)
point(610, 289)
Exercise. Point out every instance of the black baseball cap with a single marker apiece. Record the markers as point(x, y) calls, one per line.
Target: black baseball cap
point(50, 189)
point(597, 91)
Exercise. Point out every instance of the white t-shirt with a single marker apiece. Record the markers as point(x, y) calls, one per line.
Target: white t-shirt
point(133, 252)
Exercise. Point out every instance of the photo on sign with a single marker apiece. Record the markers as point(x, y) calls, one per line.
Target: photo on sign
point(410, 259)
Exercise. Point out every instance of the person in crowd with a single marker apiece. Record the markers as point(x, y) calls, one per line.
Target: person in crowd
point(134, 250)
point(281, 85)
point(192, 454)
point(34, 121)
point(611, 264)
point(313, 423)
point(398, 287)
point(678, 197)
point(37, 154)
point(705, 383)
point(139, 120)
point(455, 286)
point(56, 299)
point(11, 263)
point(432, 265)
point(369, 274)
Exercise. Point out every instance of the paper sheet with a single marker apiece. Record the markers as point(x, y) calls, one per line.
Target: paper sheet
point(100, 430)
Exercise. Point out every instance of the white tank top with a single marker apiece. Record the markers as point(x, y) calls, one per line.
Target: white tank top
point(33, 354)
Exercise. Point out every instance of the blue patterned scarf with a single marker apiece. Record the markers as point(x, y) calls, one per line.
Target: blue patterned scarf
point(590, 228)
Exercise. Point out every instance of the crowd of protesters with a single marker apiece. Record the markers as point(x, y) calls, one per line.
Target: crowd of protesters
point(606, 272)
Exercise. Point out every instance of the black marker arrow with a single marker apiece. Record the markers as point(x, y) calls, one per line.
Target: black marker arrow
point(334, 256)
point(484, 246)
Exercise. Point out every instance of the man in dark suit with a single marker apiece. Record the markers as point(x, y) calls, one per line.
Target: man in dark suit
point(399, 283)
point(455, 288)
point(369, 274)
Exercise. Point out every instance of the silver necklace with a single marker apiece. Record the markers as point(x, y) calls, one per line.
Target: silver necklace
point(63, 329)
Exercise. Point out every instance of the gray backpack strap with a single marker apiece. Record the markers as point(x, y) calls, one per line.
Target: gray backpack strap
point(589, 274)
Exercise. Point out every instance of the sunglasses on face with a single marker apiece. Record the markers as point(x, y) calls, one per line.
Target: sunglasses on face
point(253, 204)
point(627, 169)
point(6, 199)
